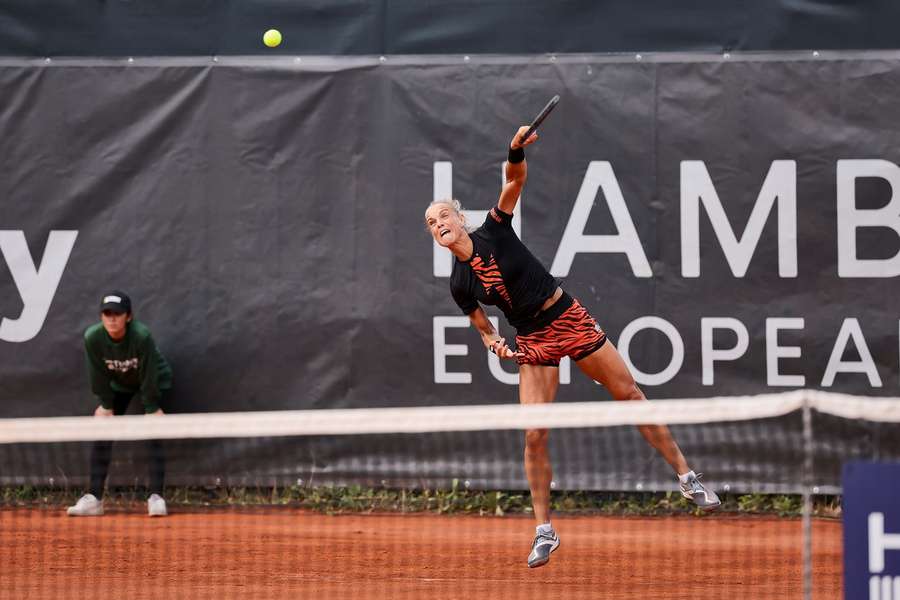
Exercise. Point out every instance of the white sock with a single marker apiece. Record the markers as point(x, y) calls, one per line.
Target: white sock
point(544, 528)
point(684, 478)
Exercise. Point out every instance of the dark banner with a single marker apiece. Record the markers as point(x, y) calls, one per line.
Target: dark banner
point(732, 224)
point(122, 28)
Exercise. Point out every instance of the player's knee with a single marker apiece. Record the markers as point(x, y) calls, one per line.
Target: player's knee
point(627, 390)
point(536, 439)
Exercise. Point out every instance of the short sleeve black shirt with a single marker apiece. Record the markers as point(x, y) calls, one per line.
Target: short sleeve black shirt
point(501, 272)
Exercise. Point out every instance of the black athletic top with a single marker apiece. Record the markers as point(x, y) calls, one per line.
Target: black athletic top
point(501, 272)
point(131, 365)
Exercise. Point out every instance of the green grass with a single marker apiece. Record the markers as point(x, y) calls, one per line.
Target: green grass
point(354, 499)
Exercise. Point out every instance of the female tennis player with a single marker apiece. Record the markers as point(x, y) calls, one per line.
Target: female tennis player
point(493, 267)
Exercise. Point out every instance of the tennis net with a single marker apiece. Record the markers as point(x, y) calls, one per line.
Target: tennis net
point(434, 501)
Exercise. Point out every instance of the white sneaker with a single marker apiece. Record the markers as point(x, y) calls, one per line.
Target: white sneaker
point(87, 506)
point(693, 490)
point(545, 542)
point(156, 506)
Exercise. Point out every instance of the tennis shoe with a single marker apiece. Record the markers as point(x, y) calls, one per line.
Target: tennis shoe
point(693, 490)
point(156, 506)
point(87, 506)
point(545, 542)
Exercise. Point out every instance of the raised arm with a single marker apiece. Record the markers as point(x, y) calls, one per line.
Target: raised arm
point(489, 336)
point(516, 171)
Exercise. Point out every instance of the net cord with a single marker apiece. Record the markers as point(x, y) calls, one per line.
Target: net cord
point(427, 419)
point(363, 421)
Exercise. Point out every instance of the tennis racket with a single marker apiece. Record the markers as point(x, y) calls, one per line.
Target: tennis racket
point(540, 118)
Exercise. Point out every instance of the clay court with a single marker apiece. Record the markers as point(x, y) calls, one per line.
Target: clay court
point(285, 553)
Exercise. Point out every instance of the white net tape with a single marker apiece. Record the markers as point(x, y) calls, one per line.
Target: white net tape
point(444, 418)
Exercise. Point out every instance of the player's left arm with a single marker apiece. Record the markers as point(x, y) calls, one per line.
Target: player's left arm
point(148, 373)
point(516, 171)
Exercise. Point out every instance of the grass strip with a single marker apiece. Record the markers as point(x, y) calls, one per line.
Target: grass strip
point(355, 499)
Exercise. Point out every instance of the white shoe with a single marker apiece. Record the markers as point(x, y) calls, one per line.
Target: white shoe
point(87, 506)
point(156, 506)
point(693, 490)
point(544, 544)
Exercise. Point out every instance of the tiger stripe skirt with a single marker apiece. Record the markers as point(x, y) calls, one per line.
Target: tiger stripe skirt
point(574, 333)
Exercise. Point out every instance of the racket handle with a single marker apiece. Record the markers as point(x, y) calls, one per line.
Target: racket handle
point(527, 135)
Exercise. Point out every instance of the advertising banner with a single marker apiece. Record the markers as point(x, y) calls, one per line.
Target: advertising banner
point(733, 225)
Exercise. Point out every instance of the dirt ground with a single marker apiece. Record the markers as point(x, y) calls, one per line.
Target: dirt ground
point(285, 553)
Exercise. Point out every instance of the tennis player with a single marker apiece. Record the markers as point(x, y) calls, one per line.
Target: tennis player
point(493, 267)
point(123, 362)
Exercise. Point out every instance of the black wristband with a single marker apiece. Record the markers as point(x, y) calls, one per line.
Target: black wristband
point(516, 155)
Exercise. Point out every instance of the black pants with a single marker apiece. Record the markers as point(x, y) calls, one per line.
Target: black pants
point(101, 454)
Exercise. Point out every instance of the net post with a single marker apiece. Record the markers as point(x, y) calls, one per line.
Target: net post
point(807, 494)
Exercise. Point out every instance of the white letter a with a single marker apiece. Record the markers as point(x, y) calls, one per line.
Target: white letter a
point(600, 174)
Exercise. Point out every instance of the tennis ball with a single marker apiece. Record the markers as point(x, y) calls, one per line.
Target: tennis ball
point(272, 38)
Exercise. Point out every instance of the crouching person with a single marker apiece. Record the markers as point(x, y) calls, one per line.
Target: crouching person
point(123, 362)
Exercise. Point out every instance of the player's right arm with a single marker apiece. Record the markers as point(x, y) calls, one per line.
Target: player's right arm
point(489, 336)
point(103, 412)
point(515, 172)
point(99, 379)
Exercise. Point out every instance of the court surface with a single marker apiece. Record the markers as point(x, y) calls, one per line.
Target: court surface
point(287, 553)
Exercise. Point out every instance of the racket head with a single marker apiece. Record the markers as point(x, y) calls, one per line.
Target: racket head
point(541, 116)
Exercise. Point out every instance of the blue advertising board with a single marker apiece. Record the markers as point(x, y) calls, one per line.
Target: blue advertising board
point(871, 514)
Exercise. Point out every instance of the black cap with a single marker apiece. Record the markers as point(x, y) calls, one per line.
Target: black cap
point(116, 301)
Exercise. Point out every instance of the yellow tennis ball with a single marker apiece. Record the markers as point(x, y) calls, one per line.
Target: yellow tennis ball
point(272, 38)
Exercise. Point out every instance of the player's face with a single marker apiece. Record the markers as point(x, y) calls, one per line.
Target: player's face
point(115, 323)
point(445, 224)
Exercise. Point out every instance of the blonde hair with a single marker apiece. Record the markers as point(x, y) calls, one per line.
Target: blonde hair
point(457, 208)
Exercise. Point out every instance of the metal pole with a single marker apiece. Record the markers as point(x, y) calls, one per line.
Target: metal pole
point(807, 497)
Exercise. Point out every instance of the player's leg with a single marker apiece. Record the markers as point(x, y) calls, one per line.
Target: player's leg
point(606, 366)
point(91, 504)
point(101, 456)
point(156, 504)
point(101, 453)
point(538, 385)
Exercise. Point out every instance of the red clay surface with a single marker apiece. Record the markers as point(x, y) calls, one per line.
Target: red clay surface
point(293, 554)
